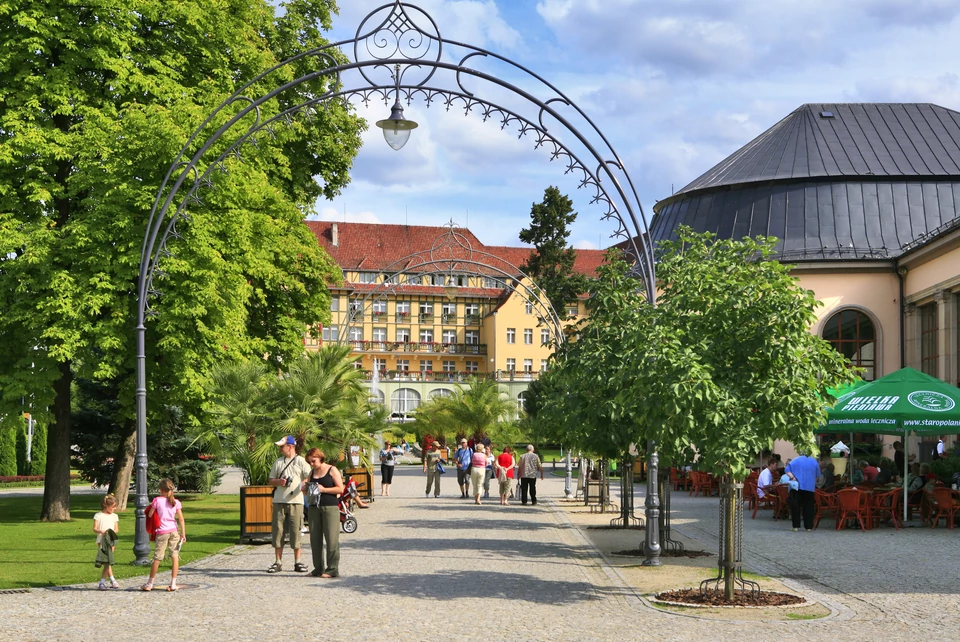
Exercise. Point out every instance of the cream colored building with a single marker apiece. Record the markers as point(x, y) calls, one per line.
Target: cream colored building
point(865, 199)
point(425, 308)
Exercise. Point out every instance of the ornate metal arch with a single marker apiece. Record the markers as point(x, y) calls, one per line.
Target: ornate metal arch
point(397, 52)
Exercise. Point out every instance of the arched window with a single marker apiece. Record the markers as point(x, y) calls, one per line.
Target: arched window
point(522, 401)
point(852, 333)
point(376, 396)
point(440, 392)
point(405, 400)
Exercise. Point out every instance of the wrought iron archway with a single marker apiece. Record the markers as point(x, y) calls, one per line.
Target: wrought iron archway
point(397, 52)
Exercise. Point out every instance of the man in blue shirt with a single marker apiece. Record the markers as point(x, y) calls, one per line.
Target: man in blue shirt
point(463, 457)
point(805, 471)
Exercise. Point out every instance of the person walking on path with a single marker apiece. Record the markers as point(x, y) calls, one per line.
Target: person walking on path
point(388, 462)
point(529, 467)
point(463, 456)
point(168, 535)
point(478, 470)
point(323, 489)
point(106, 525)
point(504, 468)
point(805, 471)
point(288, 474)
point(488, 473)
point(430, 460)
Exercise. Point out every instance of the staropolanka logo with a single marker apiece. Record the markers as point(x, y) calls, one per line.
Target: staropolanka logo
point(932, 401)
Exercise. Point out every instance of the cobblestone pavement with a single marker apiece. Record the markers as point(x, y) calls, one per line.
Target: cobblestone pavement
point(423, 568)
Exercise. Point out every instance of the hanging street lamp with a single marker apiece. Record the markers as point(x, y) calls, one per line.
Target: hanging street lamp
point(396, 129)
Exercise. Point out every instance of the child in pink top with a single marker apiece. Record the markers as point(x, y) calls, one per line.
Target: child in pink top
point(168, 536)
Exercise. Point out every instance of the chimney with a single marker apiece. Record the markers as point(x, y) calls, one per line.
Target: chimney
point(335, 235)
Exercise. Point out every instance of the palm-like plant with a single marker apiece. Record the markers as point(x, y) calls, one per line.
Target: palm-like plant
point(475, 410)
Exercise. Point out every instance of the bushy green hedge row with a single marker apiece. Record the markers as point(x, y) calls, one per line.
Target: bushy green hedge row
point(13, 447)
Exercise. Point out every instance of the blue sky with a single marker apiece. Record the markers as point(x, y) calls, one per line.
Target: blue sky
point(675, 85)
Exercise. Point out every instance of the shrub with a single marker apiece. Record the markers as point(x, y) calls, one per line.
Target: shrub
point(196, 476)
point(8, 445)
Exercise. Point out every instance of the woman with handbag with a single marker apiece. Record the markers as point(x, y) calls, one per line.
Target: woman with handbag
point(323, 489)
point(504, 468)
point(433, 468)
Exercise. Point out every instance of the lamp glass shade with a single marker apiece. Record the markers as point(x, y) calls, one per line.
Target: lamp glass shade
point(396, 129)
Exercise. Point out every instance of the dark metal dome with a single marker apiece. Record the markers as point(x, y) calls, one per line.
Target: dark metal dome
point(863, 180)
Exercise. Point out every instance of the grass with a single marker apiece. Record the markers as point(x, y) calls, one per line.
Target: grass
point(37, 554)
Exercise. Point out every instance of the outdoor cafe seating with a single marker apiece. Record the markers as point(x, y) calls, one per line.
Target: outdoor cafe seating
point(754, 501)
point(827, 505)
point(783, 504)
point(703, 483)
point(942, 504)
point(853, 506)
point(679, 480)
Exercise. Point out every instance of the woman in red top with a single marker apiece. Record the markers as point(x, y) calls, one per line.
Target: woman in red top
point(503, 467)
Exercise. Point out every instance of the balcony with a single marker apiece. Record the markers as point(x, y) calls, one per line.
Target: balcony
point(378, 314)
point(403, 317)
point(426, 317)
point(433, 347)
point(472, 319)
point(449, 317)
point(459, 377)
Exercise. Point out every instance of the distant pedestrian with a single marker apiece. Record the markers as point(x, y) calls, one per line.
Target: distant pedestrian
point(463, 456)
point(168, 535)
point(287, 475)
point(478, 470)
point(488, 473)
point(805, 471)
point(388, 462)
point(106, 526)
point(504, 466)
point(430, 460)
point(323, 489)
point(529, 467)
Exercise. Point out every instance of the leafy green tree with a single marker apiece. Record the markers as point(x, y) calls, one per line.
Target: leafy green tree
point(95, 101)
point(474, 410)
point(9, 427)
point(551, 263)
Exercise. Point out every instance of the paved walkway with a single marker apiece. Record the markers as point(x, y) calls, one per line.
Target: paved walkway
point(421, 569)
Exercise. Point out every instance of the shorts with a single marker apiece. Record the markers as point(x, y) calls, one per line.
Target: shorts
point(287, 516)
point(505, 486)
point(163, 542)
point(463, 476)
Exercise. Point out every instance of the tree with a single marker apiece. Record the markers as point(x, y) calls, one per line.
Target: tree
point(95, 101)
point(474, 410)
point(551, 263)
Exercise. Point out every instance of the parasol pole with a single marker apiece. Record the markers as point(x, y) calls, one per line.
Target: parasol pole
point(906, 468)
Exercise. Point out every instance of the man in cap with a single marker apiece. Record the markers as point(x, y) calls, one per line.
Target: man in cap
point(463, 457)
point(288, 474)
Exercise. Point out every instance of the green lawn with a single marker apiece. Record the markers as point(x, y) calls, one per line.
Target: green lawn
point(35, 553)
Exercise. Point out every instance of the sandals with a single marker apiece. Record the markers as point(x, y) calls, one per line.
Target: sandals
point(146, 587)
point(276, 567)
point(171, 589)
point(300, 567)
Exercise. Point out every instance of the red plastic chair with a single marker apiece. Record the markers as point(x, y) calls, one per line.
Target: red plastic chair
point(942, 505)
point(754, 500)
point(679, 481)
point(852, 506)
point(783, 504)
point(887, 504)
point(827, 506)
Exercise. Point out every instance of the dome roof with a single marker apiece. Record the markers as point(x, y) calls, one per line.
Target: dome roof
point(832, 181)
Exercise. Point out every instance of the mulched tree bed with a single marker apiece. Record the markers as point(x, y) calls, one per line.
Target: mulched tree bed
point(631, 527)
point(714, 598)
point(639, 552)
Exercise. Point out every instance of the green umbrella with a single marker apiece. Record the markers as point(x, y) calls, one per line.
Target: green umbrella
point(902, 402)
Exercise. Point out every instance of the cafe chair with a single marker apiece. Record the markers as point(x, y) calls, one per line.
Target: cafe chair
point(754, 501)
point(852, 506)
point(942, 505)
point(679, 480)
point(783, 502)
point(827, 506)
point(887, 505)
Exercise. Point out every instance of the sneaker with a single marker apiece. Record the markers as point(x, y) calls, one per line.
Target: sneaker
point(795, 530)
point(114, 584)
point(304, 530)
point(809, 530)
point(102, 587)
point(427, 496)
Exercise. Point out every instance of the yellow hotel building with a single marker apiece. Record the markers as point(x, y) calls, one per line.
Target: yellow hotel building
point(420, 327)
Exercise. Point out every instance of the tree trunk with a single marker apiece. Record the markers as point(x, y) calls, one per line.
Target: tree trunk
point(123, 465)
point(729, 554)
point(56, 484)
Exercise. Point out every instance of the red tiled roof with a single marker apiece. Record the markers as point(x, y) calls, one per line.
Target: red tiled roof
point(374, 247)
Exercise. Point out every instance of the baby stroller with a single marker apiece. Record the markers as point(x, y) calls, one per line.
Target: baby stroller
point(347, 521)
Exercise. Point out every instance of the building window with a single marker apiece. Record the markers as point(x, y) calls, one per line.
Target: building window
point(511, 335)
point(426, 365)
point(511, 365)
point(403, 335)
point(529, 307)
point(528, 365)
point(573, 309)
point(379, 307)
point(449, 336)
point(379, 365)
point(403, 365)
point(852, 334)
point(426, 336)
point(544, 337)
point(440, 392)
point(376, 396)
point(356, 334)
point(426, 308)
point(928, 338)
point(310, 340)
point(491, 282)
point(356, 305)
point(528, 336)
point(379, 334)
point(331, 333)
point(471, 337)
point(369, 277)
point(471, 308)
point(403, 310)
point(335, 304)
point(543, 364)
point(405, 400)
point(413, 279)
point(395, 279)
point(449, 366)
point(472, 366)
point(522, 401)
point(449, 309)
